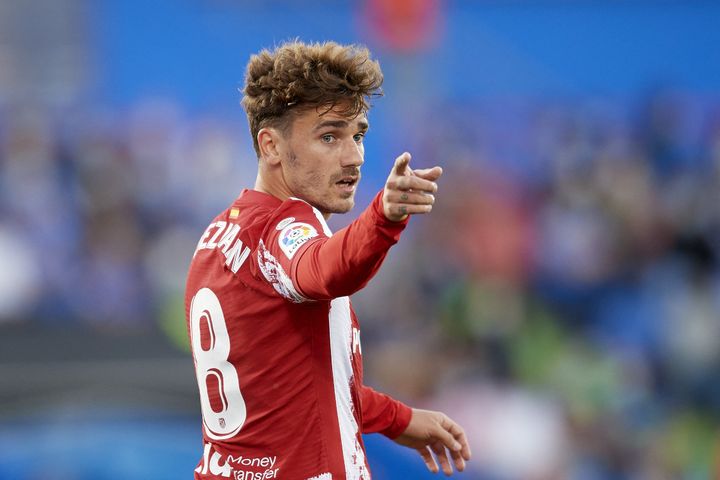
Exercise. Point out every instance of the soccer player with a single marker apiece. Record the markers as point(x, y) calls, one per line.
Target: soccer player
point(275, 340)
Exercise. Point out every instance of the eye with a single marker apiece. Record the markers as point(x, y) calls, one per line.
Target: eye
point(327, 138)
point(358, 137)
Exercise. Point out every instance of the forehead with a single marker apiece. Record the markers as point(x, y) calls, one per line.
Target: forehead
point(314, 118)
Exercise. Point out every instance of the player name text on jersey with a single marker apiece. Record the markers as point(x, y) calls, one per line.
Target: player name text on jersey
point(221, 235)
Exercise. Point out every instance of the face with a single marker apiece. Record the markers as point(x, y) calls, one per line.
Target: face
point(322, 156)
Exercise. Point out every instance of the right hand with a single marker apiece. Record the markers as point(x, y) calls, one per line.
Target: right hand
point(407, 191)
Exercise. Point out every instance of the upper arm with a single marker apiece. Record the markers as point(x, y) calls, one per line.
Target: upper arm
point(290, 230)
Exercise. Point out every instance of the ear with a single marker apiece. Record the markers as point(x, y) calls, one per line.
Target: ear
point(271, 144)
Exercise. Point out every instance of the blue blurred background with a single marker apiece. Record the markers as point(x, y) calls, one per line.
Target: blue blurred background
point(562, 301)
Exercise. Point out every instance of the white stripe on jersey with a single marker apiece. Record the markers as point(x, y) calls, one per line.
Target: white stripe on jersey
point(323, 476)
point(341, 337)
point(341, 350)
point(321, 219)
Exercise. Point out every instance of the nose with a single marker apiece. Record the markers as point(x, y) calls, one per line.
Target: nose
point(353, 155)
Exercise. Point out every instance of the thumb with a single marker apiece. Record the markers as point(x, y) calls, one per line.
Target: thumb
point(401, 164)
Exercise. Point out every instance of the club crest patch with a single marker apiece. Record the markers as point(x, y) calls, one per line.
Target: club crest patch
point(293, 236)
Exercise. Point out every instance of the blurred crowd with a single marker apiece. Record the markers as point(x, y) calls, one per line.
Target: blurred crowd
point(562, 301)
point(99, 211)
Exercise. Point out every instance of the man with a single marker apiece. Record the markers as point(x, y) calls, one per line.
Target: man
point(275, 341)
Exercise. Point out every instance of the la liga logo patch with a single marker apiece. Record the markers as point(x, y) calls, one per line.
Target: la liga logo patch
point(293, 236)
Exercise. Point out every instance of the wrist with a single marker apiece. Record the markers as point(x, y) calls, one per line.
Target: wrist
point(403, 416)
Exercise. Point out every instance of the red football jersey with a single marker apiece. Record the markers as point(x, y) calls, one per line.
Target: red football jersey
point(276, 342)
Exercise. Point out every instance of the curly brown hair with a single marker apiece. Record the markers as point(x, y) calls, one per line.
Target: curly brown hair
point(296, 76)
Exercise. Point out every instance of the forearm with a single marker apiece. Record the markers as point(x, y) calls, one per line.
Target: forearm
point(383, 414)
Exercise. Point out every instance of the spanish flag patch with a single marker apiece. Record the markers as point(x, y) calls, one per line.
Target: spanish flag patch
point(234, 212)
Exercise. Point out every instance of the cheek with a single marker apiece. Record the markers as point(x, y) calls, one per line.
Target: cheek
point(307, 178)
point(315, 166)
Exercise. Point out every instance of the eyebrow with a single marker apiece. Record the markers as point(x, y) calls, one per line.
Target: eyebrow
point(363, 124)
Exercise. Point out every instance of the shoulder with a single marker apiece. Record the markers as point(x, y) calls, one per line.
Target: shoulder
point(294, 223)
point(295, 210)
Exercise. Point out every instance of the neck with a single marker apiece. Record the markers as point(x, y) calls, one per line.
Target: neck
point(267, 183)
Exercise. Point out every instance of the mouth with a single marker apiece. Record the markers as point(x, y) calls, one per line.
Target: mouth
point(348, 183)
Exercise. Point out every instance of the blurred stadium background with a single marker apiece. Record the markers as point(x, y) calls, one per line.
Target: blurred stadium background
point(562, 302)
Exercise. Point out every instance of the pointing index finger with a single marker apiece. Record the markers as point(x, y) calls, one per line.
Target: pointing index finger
point(401, 163)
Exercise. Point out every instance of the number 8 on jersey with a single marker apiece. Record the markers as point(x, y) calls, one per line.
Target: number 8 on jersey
point(222, 403)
